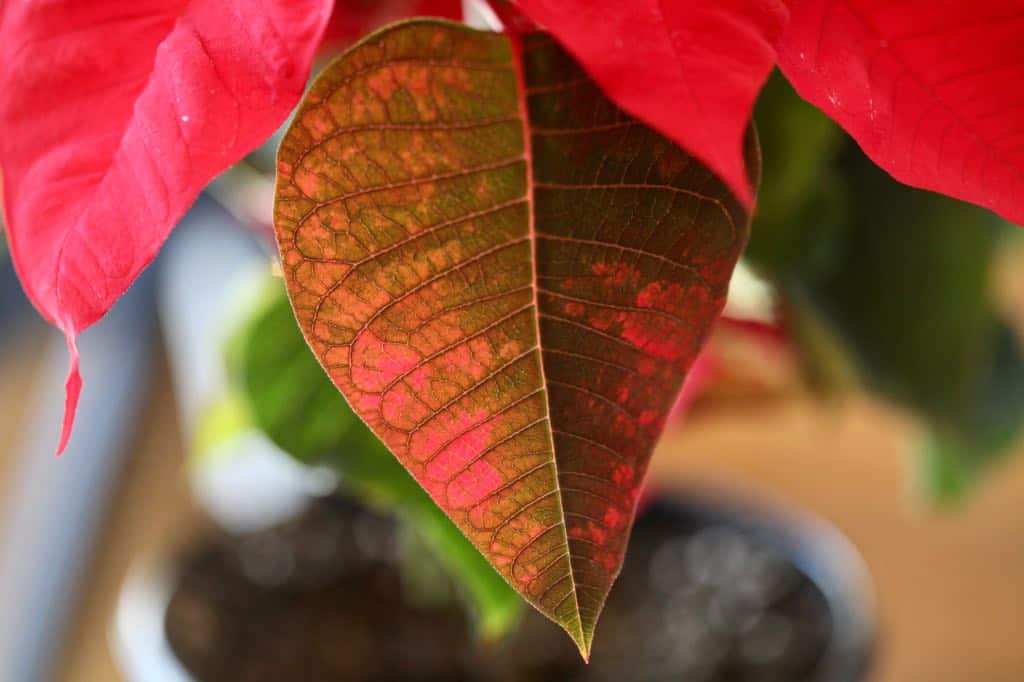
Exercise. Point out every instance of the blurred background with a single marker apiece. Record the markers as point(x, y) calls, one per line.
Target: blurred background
point(838, 496)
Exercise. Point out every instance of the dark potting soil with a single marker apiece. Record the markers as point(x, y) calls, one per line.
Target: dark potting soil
point(321, 599)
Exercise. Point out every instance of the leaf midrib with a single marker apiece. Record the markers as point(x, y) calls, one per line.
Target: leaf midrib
point(521, 94)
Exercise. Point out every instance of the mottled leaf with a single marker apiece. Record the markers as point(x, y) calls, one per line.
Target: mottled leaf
point(291, 399)
point(926, 88)
point(507, 277)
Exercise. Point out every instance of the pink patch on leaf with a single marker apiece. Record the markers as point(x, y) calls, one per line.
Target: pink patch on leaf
point(451, 442)
point(590, 532)
point(653, 339)
point(383, 83)
point(662, 296)
point(616, 274)
point(574, 309)
point(473, 485)
point(614, 517)
point(623, 475)
point(376, 363)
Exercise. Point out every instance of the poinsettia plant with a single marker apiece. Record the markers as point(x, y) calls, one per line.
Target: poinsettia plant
point(506, 249)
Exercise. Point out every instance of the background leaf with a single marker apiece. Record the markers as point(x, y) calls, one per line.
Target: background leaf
point(508, 278)
point(293, 401)
point(900, 279)
point(912, 294)
point(802, 206)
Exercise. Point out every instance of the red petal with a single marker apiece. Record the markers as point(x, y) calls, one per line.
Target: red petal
point(691, 70)
point(114, 117)
point(929, 89)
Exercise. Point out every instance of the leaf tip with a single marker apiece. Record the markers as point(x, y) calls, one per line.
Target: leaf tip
point(580, 637)
point(584, 647)
point(72, 389)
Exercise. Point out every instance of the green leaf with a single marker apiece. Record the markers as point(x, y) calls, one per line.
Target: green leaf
point(901, 281)
point(911, 293)
point(802, 207)
point(294, 402)
point(221, 421)
point(959, 448)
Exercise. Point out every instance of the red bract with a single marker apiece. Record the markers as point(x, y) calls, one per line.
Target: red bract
point(113, 118)
point(691, 70)
point(929, 89)
point(925, 87)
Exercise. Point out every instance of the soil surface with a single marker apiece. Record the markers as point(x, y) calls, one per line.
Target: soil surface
point(321, 599)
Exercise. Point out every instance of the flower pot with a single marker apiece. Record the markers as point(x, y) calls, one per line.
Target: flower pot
point(710, 592)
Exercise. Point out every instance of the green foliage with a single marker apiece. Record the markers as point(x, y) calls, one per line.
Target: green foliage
point(912, 294)
point(221, 421)
point(292, 400)
point(901, 278)
point(801, 206)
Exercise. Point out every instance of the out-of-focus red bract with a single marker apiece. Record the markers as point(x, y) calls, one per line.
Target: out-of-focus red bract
point(930, 90)
point(114, 116)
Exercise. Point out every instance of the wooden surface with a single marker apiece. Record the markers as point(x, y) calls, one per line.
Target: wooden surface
point(948, 586)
